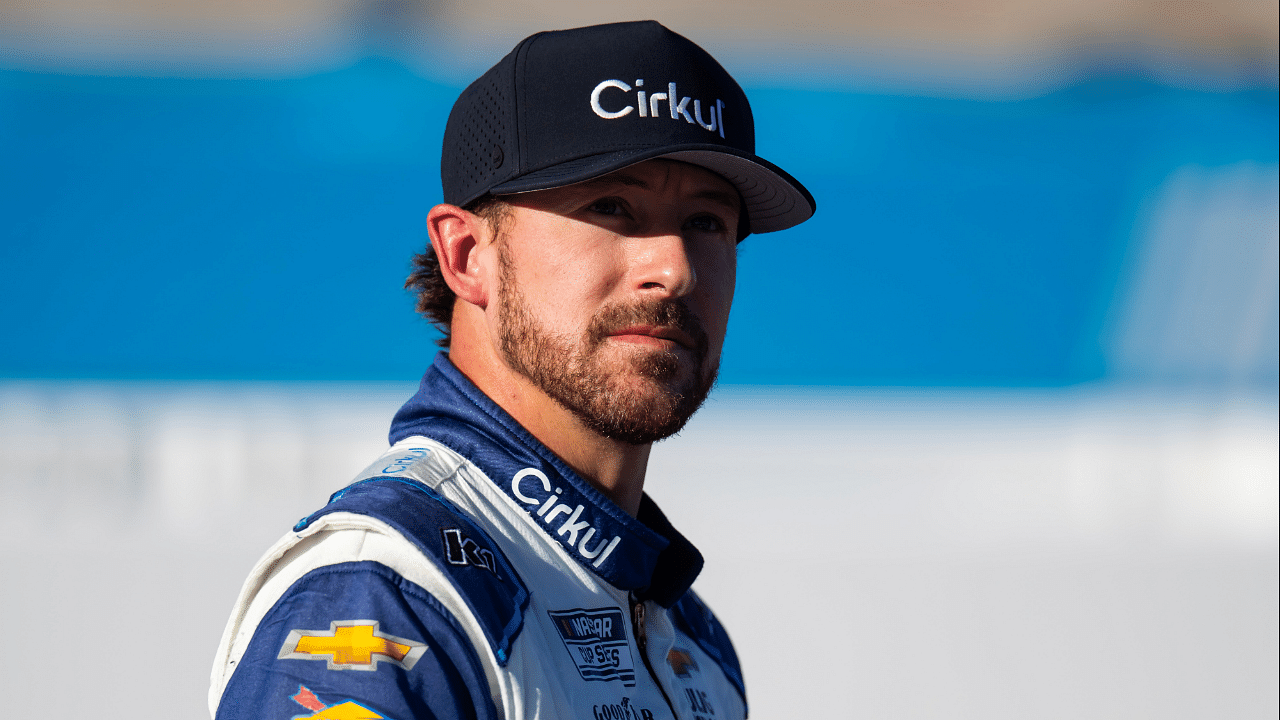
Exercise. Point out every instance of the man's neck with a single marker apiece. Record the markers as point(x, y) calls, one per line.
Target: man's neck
point(615, 468)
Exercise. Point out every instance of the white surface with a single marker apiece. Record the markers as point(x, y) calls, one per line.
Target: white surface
point(875, 554)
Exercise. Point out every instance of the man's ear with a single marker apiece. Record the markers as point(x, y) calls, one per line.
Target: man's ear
point(456, 236)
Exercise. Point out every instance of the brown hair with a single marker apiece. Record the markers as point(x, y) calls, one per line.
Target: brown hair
point(435, 298)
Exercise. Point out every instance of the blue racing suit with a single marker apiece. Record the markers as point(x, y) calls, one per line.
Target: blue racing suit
point(470, 573)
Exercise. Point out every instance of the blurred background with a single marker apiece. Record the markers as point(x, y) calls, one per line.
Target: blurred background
point(996, 434)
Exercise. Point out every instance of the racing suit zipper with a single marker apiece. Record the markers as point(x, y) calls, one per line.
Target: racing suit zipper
point(637, 619)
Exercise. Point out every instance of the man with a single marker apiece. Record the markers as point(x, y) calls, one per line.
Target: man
point(501, 559)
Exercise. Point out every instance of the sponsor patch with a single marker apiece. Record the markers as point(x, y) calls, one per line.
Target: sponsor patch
point(700, 703)
point(404, 462)
point(550, 509)
point(681, 662)
point(462, 550)
point(677, 106)
point(351, 645)
point(308, 699)
point(348, 710)
point(597, 642)
point(624, 710)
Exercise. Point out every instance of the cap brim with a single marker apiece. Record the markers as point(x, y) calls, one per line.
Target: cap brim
point(774, 200)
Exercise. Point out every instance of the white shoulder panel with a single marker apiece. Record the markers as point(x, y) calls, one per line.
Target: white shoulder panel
point(338, 538)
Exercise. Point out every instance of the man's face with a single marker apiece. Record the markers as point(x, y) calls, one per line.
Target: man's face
point(614, 294)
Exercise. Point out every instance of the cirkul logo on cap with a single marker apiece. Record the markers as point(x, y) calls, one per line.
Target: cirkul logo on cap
point(678, 106)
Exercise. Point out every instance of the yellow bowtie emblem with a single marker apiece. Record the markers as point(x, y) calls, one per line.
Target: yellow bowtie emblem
point(351, 645)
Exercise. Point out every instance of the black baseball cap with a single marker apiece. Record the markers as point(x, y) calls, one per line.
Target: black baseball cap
point(571, 105)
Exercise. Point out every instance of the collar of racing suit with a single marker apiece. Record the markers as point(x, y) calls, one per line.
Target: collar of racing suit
point(644, 554)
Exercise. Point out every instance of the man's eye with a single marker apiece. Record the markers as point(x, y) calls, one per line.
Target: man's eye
point(706, 223)
point(607, 206)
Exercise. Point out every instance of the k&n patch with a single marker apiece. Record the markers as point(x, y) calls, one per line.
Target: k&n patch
point(597, 642)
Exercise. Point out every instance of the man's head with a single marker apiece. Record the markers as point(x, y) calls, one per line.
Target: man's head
point(596, 183)
point(614, 294)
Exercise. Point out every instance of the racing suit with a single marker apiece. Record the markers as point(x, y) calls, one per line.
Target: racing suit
point(470, 573)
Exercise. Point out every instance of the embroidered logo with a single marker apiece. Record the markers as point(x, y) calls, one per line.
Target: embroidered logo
point(462, 550)
point(405, 461)
point(699, 702)
point(624, 710)
point(681, 662)
point(597, 642)
point(549, 508)
point(342, 711)
point(351, 645)
point(677, 107)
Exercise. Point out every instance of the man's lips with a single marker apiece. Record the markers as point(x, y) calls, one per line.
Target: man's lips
point(653, 335)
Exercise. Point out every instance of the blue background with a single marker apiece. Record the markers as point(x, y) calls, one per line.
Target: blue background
point(262, 229)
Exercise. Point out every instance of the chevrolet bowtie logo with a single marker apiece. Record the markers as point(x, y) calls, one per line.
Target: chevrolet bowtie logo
point(351, 645)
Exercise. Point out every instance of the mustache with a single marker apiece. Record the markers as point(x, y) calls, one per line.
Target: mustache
point(659, 313)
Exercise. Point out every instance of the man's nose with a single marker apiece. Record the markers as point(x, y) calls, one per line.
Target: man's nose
point(663, 266)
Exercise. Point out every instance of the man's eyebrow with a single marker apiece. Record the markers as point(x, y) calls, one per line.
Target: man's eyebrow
point(617, 178)
point(730, 200)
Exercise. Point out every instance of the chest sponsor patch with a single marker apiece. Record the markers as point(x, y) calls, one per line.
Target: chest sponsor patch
point(625, 710)
point(597, 642)
point(681, 662)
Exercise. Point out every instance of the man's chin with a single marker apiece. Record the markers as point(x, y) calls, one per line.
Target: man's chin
point(642, 391)
point(642, 409)
point(669, 366)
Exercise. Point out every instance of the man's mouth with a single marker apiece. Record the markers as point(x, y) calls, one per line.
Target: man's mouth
point(659, 336)
point(665, 326)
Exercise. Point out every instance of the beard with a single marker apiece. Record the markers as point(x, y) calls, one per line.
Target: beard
point(636, 399)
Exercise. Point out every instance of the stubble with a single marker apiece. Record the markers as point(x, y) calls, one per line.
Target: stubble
point(637, 399)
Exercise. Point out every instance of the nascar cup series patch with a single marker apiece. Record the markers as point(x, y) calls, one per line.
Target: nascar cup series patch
point(597, 642)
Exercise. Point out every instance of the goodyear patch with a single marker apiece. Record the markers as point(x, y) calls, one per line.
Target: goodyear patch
point(597, 642)
point(351, 645)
